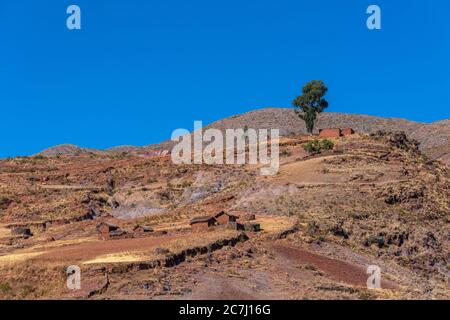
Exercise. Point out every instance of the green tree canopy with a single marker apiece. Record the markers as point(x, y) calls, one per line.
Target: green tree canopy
point(311, 103)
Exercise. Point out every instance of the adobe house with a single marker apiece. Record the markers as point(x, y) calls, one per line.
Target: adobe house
point(201, 223)
point(119, 234)
point(142, 229)
point(105, 229)
point(222, 217)
point(347, 131)
point(330, 133)
point(235, 226)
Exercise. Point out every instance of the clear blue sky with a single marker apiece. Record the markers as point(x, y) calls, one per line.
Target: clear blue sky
point(139, 69)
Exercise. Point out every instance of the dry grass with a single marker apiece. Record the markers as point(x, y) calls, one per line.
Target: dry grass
point(24, 255)
point(4, 232)
point(173, 246)
point(276, 224)
point(121, 257)
point(17, 257)
point(62, 243)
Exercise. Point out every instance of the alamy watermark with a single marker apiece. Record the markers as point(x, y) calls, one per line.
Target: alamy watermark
point(374, 20)
point(241, 146)
point(374, 280)
point(73, 278)
point(73, 21)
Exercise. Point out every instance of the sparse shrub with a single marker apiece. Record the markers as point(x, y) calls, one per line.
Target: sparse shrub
point(165, 195)
point(327, 144)
point(5, 288)
point(110, 186)
point(4, 202)
point(152, 180)
point(339, 231)
point(325, 170)
point(308, 266)
point(312, 228)
point(285, 153)
point(317, 146)
point(27, 290)
point(379, 240)
point(366, 295)
point(312, 146)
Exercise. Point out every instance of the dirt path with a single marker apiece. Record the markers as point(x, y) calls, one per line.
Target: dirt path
point(336, 269)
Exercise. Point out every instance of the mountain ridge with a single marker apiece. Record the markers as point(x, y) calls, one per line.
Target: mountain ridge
point(434, 137)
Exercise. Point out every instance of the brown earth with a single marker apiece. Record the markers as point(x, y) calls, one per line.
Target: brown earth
point(372, 200)
point(338, 270)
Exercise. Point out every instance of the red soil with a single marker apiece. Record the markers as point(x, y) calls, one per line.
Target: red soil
point(336, 269)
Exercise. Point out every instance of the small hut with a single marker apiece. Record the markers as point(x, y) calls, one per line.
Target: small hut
point(330, 133)
point(139, 229)
point(347, 131)
point(105, 230)
point(235, 226)
point(204, 222)
point(223, 218)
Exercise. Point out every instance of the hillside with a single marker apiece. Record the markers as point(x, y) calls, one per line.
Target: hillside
point(69, 149)
point(434, 138)
point(325, 217)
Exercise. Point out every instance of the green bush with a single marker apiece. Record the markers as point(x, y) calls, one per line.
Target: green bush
point(318, 145)
point(327, 144)
point(312, 146)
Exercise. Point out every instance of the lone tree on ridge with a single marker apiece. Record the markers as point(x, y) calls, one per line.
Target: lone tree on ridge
point(311, 103)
